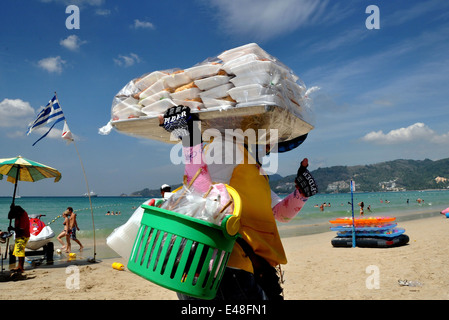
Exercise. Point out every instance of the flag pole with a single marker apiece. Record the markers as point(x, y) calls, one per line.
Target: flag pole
point(352, 205)
point(87, 186)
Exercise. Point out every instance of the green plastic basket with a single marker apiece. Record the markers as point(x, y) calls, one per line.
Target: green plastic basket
point(181, 253)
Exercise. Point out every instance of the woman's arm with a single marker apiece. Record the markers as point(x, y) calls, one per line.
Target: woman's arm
point(193, 162)
point(286, 209)
point(289, 207)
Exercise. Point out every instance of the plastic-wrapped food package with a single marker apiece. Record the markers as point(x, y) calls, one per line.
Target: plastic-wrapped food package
point(149, 79)
point(211, 82)
point(217, 92)
point(211, 206)
point(154, 98)
point(262, 78)
point(158, 86)
point(193, 104)
point(218, 104)
point(241, 88)
point(177, 79)
point(127, 108)
point(158, 107)
point(186, 94)
point(248, 49)
point(204, 70)
point(227, 66)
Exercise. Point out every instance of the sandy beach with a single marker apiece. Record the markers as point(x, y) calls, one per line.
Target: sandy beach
point(315, 271)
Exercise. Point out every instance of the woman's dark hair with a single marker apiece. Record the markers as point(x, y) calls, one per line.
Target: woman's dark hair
point(15, 211)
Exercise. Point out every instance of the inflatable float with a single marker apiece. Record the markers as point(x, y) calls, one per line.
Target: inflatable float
point(363, 221)
point(363, 228)
point(371, 242)
point(370, 232)
point(389, 233)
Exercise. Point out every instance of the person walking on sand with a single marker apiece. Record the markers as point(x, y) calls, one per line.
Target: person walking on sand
point(63, 232)
point(73, 227)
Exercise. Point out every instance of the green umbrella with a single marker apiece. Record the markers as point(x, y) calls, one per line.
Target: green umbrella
point(22, 169)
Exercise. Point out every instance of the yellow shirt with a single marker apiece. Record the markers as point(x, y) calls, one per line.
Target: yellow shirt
point(258, 226)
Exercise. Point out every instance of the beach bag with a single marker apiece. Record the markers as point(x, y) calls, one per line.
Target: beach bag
point(266, 275)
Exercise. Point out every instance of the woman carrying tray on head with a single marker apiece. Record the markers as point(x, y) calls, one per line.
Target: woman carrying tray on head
point(260, 206)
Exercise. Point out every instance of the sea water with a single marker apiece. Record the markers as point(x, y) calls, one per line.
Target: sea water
point(120, 209)
point(312, 218)
point(405, 205)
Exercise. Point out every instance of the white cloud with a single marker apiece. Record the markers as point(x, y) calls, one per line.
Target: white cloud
point(72, 42)
point(15, 113)
point(55, 133)
point(413, 133)
point(440, 139)
point(15, 134)
point(142, 24)
point(102, 12)
point(363, 81)
point(52, 64)
point(347, 37)
point(127, 61)
point(266, 19)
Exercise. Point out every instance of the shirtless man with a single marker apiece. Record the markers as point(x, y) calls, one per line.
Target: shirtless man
point(73, 227)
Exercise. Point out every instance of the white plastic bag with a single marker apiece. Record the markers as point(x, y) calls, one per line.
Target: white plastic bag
point(212, 206)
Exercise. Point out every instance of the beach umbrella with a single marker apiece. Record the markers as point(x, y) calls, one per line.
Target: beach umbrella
point(21, 169)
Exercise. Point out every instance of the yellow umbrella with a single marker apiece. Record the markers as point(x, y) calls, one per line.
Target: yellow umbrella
point(21, 169)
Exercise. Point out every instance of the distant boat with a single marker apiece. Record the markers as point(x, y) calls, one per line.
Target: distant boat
point(92, 194)
point(17, 194)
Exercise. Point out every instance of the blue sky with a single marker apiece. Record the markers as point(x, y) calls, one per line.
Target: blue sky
point(383, 91)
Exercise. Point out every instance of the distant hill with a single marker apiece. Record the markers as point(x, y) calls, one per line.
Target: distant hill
point(393, 175)
point(147, 193)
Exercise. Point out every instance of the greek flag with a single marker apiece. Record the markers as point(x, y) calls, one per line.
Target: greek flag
point(51, 112)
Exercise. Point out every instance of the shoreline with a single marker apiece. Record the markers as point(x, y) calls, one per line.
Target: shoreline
point(315, 270)
point(299, 227)
point(156, 191)
point(287, 231)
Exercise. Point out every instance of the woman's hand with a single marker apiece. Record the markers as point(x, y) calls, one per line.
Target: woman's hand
point(304, 181)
